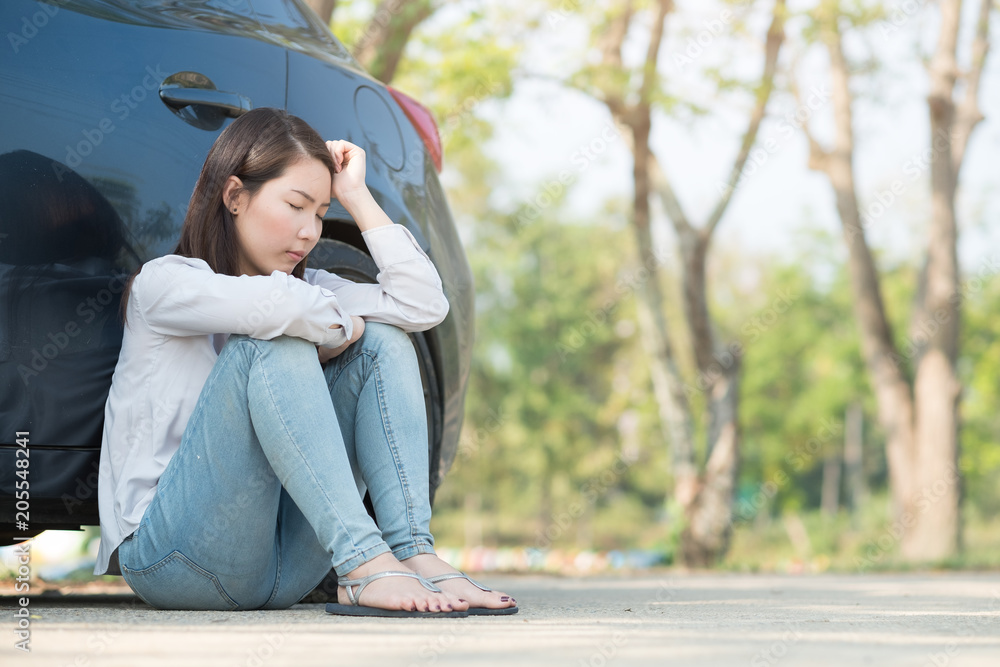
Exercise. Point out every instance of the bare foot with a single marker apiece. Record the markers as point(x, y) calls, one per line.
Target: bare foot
point(429, 565)
point(403, 593)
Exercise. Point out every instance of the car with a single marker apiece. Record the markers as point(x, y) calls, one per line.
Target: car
point(108, 109)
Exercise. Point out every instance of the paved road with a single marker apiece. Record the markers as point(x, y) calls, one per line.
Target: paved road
point(654, 619)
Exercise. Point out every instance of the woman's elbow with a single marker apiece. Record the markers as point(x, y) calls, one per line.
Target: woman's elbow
point(440, 309)
point(431, 313)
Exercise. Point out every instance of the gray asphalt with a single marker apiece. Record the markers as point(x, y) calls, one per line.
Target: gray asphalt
point(669, 618)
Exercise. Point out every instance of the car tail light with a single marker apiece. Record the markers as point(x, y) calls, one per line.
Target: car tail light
point(423, 122)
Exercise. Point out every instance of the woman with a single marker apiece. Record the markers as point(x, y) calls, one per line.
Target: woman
point(229, 478)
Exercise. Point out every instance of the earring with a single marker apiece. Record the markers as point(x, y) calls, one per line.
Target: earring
point(234, 210)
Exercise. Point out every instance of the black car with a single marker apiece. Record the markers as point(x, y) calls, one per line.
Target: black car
point(108, 109)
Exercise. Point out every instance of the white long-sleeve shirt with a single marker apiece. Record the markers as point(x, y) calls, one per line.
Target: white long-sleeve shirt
point(180, 313)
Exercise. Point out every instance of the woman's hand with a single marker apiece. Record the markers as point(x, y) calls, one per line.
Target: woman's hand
point(349, 186)
point(349, 169)
point(328, 353)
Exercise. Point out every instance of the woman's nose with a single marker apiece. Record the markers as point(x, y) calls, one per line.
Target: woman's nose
point(310, 232)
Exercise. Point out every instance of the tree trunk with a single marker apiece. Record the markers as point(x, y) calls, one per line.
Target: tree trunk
point(892, 387)
point(934, 535)
point(920, 422)
point(706, 500)
point(709, 515)
point(708, 511)
point(706, 537)
point(675, 411)
point(381, 45)
point(323, 8)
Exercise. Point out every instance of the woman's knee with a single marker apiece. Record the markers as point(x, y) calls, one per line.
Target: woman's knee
point(387, 341)
point(279, 346)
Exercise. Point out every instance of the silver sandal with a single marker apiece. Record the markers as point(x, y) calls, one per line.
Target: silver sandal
point(357, 609)
point(474, 611)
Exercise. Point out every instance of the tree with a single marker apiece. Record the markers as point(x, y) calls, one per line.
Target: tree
point(920, 415)
point(632, 95)
point(380, 48)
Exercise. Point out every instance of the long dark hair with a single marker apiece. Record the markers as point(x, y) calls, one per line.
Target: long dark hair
point(257, 147)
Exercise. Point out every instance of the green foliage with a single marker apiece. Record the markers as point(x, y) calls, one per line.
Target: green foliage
point(979, 368)
point(558, 402)
point(559, 362)
point(801, 370)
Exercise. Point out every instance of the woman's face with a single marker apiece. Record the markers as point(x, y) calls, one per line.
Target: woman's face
point(283, 222)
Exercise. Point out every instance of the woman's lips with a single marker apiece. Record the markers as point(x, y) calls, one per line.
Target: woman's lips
point(295, 255)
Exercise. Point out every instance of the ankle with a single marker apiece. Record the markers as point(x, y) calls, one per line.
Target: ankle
point(380, 563)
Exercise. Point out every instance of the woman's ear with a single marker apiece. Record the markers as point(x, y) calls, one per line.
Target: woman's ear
point(232, 192)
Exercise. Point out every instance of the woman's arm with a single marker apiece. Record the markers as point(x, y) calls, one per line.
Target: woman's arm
point(409, 292)
point(182, 296)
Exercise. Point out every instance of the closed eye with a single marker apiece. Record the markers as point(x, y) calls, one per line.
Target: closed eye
point(297, 208)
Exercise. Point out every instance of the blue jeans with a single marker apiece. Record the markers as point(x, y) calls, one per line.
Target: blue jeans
point(264, 494)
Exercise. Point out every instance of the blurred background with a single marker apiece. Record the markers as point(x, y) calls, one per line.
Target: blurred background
point(736, 275)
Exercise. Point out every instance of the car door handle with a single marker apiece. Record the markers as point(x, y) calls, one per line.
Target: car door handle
point(233, 105)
